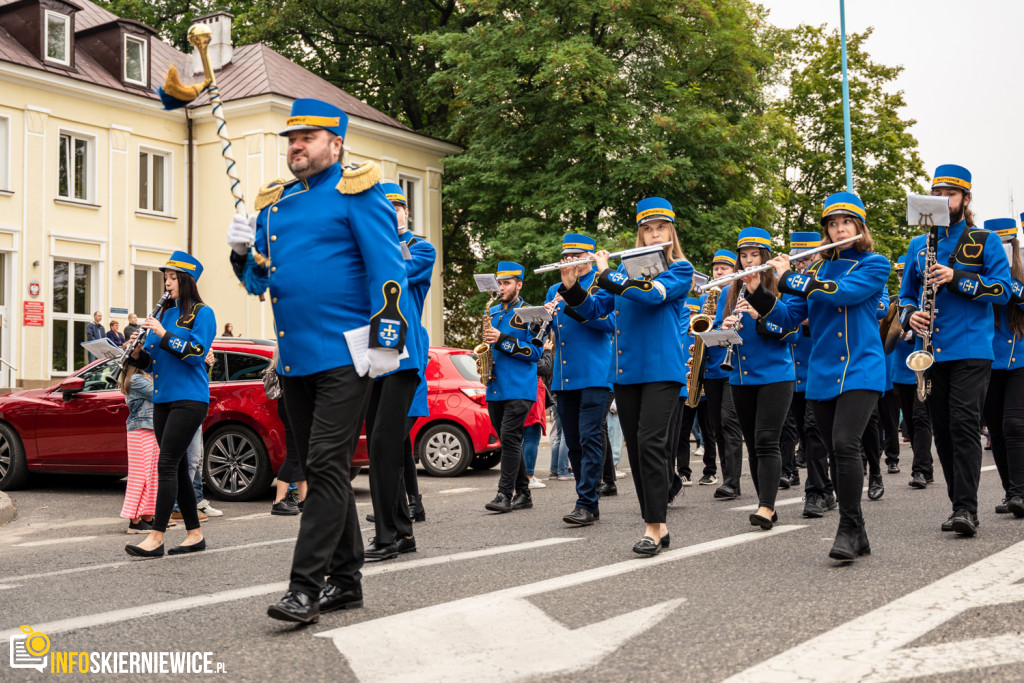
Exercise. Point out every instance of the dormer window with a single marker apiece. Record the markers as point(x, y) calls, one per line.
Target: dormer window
point(58, 38)
point(135, 57)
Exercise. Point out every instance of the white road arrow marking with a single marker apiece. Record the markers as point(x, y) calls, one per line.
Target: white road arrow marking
point(465, 645)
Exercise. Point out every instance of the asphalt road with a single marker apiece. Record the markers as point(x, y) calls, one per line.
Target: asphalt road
point(523, 597)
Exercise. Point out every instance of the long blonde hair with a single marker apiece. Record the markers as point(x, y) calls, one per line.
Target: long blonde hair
point(125, 383)
point(674, 252)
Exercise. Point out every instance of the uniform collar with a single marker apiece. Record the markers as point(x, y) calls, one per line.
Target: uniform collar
point(955, 229)
point(331, 175)
point(519, 300)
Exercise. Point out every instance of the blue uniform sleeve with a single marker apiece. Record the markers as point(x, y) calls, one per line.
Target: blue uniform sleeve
point(588, 305)
point(860, 283)
point(883, 305)
point(193, 346)
point(670, 284)
point(910, 289)
point(992, 284)
point(519, 344)
point(420, 268)
point(1016, 292)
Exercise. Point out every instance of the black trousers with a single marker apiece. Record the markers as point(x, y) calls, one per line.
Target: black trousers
point(1004, 415)
point(889, 416)
point(842, 422)
point(819, 477)
point(955, 405)
point(327, 411)
point(762, 411)
point(644, 412)
point(919, 428)
point(174, 425)
point(291, 469)
point(723, 430)
point(792, 433)
point(680, 426)
point(508, 419)
point(871, 444)
point(386, 435)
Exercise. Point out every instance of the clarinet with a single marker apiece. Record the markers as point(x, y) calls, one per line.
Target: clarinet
point(726, 364)
point(130, 349)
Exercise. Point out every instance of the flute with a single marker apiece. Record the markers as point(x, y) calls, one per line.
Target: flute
point(140, 335)
point(767, 266)
point(590, 259)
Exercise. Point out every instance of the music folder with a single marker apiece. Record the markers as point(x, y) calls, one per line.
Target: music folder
point(649, 265)
point(922, 205)
point(721, 338)
point(533, 314)
point(486, 282)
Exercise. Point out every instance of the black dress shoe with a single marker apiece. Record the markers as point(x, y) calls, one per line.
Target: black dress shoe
point(335, 597)
point(376, 552)
point(647, 546)
point(370, 518)
point(894, 468)
point(606, 489)
point(948, 524)
point(794, 478)
point(812, 506)
point(784, 483)
point(726, 492)
point(847, 545)
point(829, 501)
point(1016, 506)
point(501, 503)
point(406, 545)
point(522, 500)
point(416, 511)
point(964, 523)
point(284, 507)
point(142, 552)
point(579, 517)
point(875, 487)
point(918, 482)
point(1003, 508)
point(295, 606)
point(193, 548)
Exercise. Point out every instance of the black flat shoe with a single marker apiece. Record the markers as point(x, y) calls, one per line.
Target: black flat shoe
point(665, 540)
point(142, 552)
point(918, 481)
point(297, 607)
point(579, 517)
point(647, 546)
point(964, 523)
point(334, 597)
point(522, 500)
point(764, 522)
point(193, 548)
point(726, 492)
point(501, 503)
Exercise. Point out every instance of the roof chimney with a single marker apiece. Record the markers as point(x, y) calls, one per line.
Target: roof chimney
point(221, 47)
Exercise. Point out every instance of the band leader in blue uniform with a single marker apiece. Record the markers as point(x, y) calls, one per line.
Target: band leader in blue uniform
point(513, 389)
point(974, 273)
point(1004, 404)
point(839, 296)
point(335, 266)
point(579, 380)
point(174, 351)
point(648, 365)
point(762, 377)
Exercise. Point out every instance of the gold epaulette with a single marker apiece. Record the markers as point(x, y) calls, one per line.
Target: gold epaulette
point(357, 178)
point(270, 193)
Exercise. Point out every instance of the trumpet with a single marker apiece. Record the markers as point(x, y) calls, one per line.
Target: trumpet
point(590, 259)
point(728, 279)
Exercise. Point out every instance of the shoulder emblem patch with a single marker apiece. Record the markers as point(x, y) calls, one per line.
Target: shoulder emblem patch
point(270, 193)
point(359, 177)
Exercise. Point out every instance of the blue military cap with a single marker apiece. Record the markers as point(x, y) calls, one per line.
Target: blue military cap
point(578, 244)
point(844, 202)
point(394, 193)
point(507, 269)
point(800, 242)
point(724, 256)
point(1006, 228)
point(654, 208)
point(307, 113)
point(184, 262)
point(754, 237)
point(951, 175)
point(901, 263)
point(693, 304)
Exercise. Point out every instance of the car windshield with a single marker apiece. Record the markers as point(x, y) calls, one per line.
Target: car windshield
point(99, 377)
point(465, 363)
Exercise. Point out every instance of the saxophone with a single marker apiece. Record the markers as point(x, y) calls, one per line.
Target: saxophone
point(700, 323)
point(920, 361)
point(484, 357)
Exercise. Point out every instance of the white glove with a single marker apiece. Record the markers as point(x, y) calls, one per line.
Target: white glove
point(382, 360)
point(241, 233)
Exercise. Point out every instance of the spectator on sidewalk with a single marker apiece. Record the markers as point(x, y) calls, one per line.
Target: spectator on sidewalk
point(115, 337)
point(132, 326)
point(229, 330)
point(95, 330)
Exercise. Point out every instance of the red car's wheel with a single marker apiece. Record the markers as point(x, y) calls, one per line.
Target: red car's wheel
point(236, 466)
point(444, 450)
point(13, 468)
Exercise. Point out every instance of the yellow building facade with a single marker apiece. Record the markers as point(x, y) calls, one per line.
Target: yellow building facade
point(99, 185)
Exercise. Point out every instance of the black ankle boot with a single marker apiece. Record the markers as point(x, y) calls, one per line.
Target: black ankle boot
point(863, 546)
point(416, 510)
point(846, 544)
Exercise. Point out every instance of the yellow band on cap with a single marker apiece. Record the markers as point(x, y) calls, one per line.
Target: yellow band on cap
point(1007, 232)
point(655, 212)
point(725, 259)
point(180, 264)
point(577, 245)
point(322, 121)
point(950, 180)
point(395, 197)
point(804, 245)
point(900, 266)
point(508, 273)
point(842, 206)
point(756, 240)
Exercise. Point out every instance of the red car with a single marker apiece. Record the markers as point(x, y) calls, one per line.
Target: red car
point(78, 425)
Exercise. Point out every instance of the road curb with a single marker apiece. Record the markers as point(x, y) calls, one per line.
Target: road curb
point(7, 511)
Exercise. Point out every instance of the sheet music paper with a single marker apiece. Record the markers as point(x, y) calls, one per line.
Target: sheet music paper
point(721, 338)
point(486, 282)
point(645, 266)
point(102, 348)
point(533, 314)
point(919, 205)
point(358, 341)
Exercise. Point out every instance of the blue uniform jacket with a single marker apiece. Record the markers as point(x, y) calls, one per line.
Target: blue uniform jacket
point(1004, 341)
point(342, 247)
point(981, 278)
point(647, 345)
point(420, 406)
point(178, 361)
point(765, 356)
point(840, 296)
point(515, 356)
point(901, 374)
point(583, 349)
point(801, 348)
point(880, 313)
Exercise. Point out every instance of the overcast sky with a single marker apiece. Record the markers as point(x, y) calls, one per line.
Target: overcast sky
point(963, 80)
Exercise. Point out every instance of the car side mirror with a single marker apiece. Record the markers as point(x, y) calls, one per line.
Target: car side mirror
point(71, 386)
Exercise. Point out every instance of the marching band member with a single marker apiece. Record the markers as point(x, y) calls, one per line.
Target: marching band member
point(648, 360)
point(839, 296)
point(512, 392)
point(915, 411)
point(335, 266)
point(762, 376)
point(871, 442)
point(583, 353)
point(680, 422)
point(972, 265)
point(1004, 404)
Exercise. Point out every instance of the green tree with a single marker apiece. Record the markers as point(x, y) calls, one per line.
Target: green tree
point(170, 18)
point(886, 165)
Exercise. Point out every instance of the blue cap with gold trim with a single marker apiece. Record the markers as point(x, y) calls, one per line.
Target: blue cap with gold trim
point(693, 304)
point(951, 175)
point(901, 263)
point(307, 113)
point(800, 242)
point(844, 202)
point(184, 262)
point(754, 237)
point(1006, 228)
point(395, 193)
point(507, 269)
point(578, 244)
point(724, 256)
point(654, 208)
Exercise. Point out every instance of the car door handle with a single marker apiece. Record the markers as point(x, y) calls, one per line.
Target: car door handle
point(114, 410)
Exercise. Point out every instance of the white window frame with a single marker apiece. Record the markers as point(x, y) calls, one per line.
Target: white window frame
point(70, 316)
point(168, 157)
point(90, 167)
point(67, 37)
point(417, 216)
point(5, 154)
point(144, 45)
